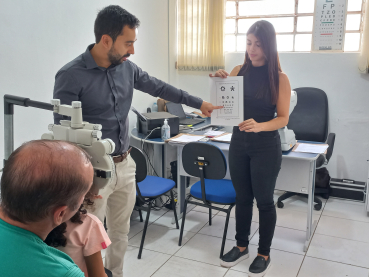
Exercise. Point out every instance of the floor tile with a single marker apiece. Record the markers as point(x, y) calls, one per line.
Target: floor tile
point(217, 228)
point(317, 267)
point(204, 249)
point(285, 239)
point(255, 213)
point(284, 264)
point(293, 219)
point(135, 228)
point(194, 221)
point(346, 209)
point(206, 210)
point(180, 267)
point(339, 250)
point(343, 228)
point(161, 239)
point(233, 273)
point(150, 262)
point(154, 215)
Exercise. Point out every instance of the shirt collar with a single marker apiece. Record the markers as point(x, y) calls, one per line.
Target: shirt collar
point(90, 62)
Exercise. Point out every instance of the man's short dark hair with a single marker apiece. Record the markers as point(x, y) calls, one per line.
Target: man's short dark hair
point(111, 21)
point(42, 175)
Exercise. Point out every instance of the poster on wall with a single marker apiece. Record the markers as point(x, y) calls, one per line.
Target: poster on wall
point(329, 25)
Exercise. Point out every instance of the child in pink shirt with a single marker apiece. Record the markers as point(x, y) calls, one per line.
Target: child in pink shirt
point(82, 238)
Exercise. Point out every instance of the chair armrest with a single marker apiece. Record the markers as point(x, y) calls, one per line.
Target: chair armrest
point(330, 142)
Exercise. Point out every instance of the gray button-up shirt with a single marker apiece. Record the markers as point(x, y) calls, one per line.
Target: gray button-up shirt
point(106, 94)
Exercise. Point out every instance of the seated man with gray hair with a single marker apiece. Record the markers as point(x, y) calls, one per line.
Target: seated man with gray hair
point(43, 185)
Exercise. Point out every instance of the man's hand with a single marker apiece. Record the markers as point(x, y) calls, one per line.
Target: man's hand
point(207, 108)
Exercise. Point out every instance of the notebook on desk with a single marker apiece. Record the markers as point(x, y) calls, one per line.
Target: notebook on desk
point(176, 109)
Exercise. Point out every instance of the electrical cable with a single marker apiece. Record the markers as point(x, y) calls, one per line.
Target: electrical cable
point(142, 147)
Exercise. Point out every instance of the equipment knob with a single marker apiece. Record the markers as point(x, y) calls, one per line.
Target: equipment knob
point(50, 127)
point(97, 127)
point(112, 146)
point(76, 104)
point(55, 102)
point(96, 134)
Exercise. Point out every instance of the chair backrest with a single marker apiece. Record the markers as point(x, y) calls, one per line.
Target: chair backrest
point(309, 119)
point(198, 151)
point(141, 166)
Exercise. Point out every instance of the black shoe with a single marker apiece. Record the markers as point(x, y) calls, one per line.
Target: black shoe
point(259, 267)
point(233, 257)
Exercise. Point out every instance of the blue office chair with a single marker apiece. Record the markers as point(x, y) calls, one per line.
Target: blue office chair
point(148, 189)
point(207, 161)
point(309, 121)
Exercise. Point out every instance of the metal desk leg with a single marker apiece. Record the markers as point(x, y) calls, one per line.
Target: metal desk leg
point(310, 225)
point(163, 161)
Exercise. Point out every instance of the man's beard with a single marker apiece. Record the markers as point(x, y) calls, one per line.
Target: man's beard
point(116, 59)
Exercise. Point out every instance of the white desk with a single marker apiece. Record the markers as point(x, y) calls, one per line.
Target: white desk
point(297, 174)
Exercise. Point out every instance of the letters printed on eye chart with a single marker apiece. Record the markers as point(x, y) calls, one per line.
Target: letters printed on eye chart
point(228, 93)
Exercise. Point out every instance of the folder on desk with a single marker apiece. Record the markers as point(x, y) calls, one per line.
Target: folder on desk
point(310, 148)
point(226, 137)
point(184, 138)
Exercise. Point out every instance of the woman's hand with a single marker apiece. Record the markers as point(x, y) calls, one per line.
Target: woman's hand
point(250, 125)
point(220, 73)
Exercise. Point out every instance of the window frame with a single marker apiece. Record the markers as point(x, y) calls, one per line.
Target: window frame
point(295, 15)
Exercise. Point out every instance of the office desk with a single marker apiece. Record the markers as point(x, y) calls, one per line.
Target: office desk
point(297, 174)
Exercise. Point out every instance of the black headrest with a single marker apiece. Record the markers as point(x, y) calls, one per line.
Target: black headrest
point(309, 119)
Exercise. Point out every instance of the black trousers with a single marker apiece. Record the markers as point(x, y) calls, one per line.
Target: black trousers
point(254, 163)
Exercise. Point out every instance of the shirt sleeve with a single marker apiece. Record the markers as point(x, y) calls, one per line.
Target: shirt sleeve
point(96, 240)
point(158, 88)
point(66, 89)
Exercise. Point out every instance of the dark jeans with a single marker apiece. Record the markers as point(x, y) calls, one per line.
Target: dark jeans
point(254, 163)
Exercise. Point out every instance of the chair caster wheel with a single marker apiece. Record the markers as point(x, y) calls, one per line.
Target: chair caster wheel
point(280, 205)
point(317, 207)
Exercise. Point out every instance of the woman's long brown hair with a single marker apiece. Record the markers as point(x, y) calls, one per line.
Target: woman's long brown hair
point(265, 33)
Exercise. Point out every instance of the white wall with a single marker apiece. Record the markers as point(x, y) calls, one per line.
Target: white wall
point(38, 37)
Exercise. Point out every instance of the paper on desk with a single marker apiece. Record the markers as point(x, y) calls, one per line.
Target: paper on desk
point(311, 148)
point(213, 133)
point(186, 139)
point(225, 138)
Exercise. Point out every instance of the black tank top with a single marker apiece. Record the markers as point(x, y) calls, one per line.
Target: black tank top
point(254, 80)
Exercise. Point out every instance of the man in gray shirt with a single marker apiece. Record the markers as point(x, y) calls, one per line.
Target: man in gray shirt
point(103, 79)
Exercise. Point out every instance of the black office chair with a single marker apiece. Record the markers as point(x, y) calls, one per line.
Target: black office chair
point(309, 121)
point(148, 189)
point(207, 161)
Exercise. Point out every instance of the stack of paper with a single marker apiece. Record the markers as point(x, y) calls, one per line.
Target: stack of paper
point(223, 138)
point(311, 148)
point(183, 139)
point(213, 133)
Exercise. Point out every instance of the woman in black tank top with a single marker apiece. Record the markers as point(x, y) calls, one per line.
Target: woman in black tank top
point(255, 153)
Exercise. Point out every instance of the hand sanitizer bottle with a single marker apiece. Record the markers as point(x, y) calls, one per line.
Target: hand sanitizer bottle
point(165, 130)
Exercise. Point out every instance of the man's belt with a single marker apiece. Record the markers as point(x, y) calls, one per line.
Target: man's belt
point(122, 157)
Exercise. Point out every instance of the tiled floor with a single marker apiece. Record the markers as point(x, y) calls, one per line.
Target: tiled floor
point(340, 245)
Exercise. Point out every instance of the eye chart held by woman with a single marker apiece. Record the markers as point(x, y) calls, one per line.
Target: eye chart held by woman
point(229, 94)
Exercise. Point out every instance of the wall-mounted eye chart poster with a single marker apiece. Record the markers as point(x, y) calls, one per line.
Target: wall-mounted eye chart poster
point(329, 25)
